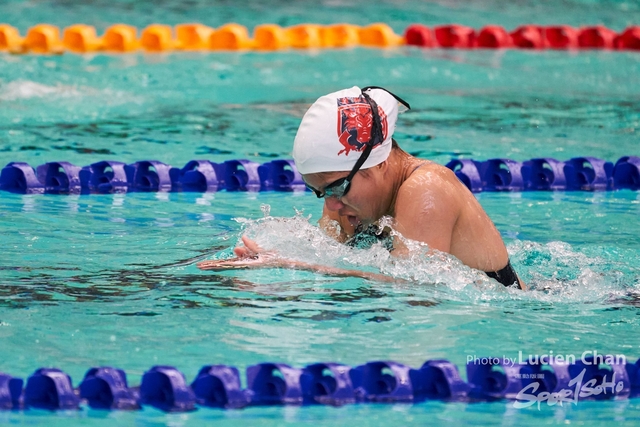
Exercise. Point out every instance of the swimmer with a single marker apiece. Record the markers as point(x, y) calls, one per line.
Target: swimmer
point(346, 155)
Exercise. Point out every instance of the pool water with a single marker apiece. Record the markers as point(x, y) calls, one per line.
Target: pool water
point(111, 279)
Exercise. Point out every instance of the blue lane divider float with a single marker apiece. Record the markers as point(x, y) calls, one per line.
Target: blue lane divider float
point(327, 384)
point(219, 386)
point(165, 388)
point(539, 174)
point(593, 377)
point(107, 388)
point(150, 175)
point(10, 392)
point(547, 174)
point(544, 174)
point(50, 389)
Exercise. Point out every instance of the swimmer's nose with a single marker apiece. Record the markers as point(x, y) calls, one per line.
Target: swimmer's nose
point(333, 203)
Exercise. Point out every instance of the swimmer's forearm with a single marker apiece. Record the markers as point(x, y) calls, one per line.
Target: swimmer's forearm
point(262, 261)
point(335, 271)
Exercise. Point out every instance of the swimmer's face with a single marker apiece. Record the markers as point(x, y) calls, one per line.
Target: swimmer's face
point(361, 204)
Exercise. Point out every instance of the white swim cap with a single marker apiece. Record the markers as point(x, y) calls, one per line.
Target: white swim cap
point(338, 126)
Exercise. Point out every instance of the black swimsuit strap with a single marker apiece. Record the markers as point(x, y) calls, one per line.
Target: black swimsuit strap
point(507, 276)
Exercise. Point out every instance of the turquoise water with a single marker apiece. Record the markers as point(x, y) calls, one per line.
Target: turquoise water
point(110, 279)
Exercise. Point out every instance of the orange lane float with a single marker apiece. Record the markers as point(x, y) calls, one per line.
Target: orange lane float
point(379, 35)
point(304, 36)
point(270, 37)
point(121, 38)
point(10, 39)
point(81, 38)
point(193, 36)
point(157, 38)
point(230, 37)
point(340, 35)
point(44, 38)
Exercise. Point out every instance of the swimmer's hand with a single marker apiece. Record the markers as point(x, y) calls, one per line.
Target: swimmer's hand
point(253, 256)
point(248, 256)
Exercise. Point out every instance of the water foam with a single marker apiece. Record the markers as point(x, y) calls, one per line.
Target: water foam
point(307, 243)
point(558, 272)
point(554, 271)
point(26, 89)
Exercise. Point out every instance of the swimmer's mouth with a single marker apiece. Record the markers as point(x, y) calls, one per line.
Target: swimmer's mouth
point(353, 220)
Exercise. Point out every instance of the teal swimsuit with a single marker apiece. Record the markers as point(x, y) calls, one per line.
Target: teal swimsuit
point(364, 238)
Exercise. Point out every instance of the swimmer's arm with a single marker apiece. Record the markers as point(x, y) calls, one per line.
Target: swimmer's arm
point(252, 256)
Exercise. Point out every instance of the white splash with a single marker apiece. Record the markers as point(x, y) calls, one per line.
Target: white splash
point(558, 272)
point(27, 89)
point(554, 272)
point(296, 238)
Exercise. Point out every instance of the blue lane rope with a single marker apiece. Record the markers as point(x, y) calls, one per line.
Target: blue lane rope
point(593, 377)
point(539, 174)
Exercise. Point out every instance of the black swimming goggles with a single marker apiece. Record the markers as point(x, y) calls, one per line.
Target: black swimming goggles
point(340, 187)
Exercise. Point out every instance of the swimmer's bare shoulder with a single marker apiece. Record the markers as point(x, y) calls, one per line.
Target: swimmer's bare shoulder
point(437, 208)
point(428, 206)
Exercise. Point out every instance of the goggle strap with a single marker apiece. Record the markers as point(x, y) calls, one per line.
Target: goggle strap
point(376, 137)
point(400, 100)
point(363, 158)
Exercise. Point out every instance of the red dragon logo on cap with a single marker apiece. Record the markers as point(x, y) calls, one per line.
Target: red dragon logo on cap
point(355, 122)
